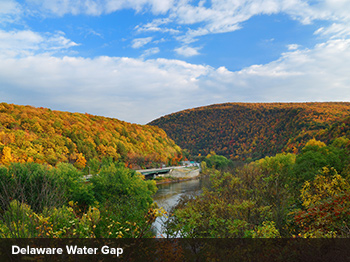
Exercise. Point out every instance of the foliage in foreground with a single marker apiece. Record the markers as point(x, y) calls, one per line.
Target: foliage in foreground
point(42, 201)
point(288, 195)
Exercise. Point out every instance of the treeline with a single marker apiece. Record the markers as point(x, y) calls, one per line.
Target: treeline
point(304, 195)
point(40, 135)
point(40, 201)
point(250, 131)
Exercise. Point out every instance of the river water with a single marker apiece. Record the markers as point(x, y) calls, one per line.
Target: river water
point(168, 196)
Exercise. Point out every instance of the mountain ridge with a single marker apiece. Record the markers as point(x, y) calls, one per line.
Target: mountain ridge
point(42, 135)
point(244, 131)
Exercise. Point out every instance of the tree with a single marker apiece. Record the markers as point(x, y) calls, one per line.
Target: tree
point(276, 172)
point(314, 156)
point(6, 157)
point(80, 162)
point(327, 184)
point(232, 208)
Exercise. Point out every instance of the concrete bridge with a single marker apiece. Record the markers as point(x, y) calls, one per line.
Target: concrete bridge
point(174, 171)
point(152, 172)
point(149, 173)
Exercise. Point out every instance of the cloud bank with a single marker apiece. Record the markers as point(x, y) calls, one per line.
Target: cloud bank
point(36, 68)
point(139, 90)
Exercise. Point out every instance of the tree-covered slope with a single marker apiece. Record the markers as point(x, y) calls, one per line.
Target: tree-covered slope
point(41, 135)
point(254, 130)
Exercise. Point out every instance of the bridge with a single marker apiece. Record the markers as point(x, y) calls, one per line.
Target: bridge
point(149, 173)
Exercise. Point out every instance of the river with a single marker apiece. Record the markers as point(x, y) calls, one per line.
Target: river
point(168, 196)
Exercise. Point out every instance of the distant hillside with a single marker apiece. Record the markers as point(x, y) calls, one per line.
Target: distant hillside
point(45, 136)
point(255, 130)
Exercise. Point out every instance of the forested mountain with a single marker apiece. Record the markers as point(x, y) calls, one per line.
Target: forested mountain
point(244, 131)
point(41, 135)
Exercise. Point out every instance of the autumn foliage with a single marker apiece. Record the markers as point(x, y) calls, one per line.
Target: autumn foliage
point(29, 134)
point(242, 131)
point(304, 195)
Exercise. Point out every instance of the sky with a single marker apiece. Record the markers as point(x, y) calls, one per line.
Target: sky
point(137, 60)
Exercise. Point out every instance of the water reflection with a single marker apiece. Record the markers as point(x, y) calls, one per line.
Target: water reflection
point(168, 196)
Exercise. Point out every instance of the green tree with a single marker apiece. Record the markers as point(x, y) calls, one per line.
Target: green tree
point(276, 172)
point(115, 181)
point(313, 158)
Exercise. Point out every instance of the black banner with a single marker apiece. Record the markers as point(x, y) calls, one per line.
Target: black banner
point(175, 250)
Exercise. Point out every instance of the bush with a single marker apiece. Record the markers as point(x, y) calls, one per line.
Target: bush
point(115, 182)
point(41, 201)
point(30, 183)
point(218, 162)
point(74, 186)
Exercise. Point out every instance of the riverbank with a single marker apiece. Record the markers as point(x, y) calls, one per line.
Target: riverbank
point(168, 180)
point(179, 175)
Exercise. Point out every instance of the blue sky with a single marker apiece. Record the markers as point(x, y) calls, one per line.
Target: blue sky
point(137, 60)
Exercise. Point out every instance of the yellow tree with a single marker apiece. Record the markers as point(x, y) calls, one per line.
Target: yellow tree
point(325, 185)
point(81, 161)
point(6, 157)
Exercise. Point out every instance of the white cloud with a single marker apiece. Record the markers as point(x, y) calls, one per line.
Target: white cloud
point(156, 26)
point(98, 7)
point(150, 51)
point(103, 85)
point(63, 7)
point(25, 42)
point(220, 16)
point(227, 15)
point(335, 31)
point(192, 19)
point(10, 11)
point(293, 46)
point(317, 74)
point(187, 51)
point(140, 42)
